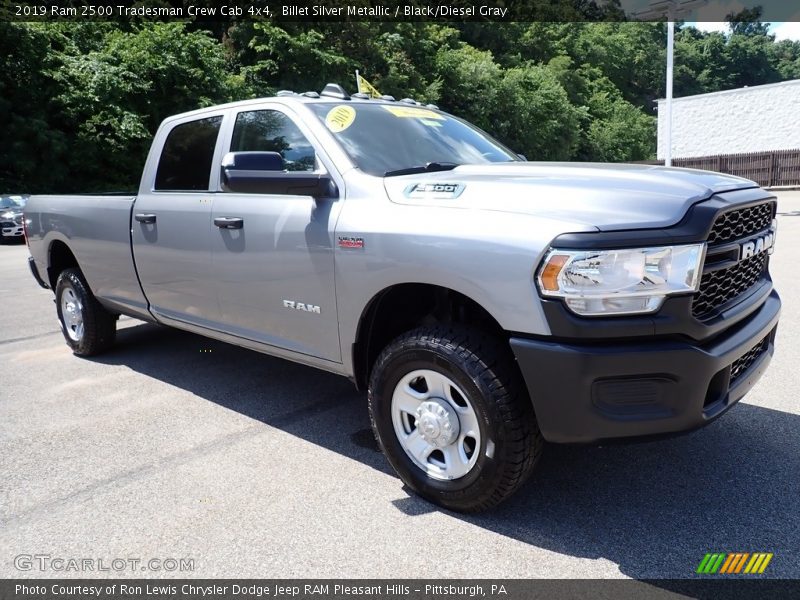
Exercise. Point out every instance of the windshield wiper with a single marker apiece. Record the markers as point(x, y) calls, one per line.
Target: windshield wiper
point(428, 168)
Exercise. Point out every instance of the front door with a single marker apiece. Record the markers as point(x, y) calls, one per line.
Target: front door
point(275, 273)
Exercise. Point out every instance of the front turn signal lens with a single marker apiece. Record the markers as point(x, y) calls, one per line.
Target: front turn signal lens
point(551, 271)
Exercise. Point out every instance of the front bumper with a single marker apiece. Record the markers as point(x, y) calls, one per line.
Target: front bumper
point(599, 390)
point(12, 230)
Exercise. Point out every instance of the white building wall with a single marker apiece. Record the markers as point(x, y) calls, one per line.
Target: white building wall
point(754, 119)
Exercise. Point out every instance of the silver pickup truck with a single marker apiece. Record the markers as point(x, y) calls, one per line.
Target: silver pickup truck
point(486, 303)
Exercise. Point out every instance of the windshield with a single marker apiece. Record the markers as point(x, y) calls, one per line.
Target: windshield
point(7, 202)
point(390, 138)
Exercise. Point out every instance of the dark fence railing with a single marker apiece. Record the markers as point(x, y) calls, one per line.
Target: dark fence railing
point(770, 169)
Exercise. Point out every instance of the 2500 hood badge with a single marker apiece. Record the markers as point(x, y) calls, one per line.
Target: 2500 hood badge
point(434, 190)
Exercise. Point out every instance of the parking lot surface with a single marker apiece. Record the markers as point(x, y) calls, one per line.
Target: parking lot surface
point(175, 446)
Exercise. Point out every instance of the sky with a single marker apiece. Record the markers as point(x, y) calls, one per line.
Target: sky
point(789, 30)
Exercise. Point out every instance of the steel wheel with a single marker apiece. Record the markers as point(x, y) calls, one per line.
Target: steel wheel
point(87, 326)
point(72, 312)
point(435, 424)
point(450, 412)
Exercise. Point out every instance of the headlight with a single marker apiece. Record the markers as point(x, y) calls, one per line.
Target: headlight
point(617, 282)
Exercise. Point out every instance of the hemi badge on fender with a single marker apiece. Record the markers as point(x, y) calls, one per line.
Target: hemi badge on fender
point(351, 242)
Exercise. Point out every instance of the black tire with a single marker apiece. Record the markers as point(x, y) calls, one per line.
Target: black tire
point(99, 325)
point(484, 369)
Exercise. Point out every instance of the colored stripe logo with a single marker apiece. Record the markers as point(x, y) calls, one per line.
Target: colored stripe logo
point(734, 563)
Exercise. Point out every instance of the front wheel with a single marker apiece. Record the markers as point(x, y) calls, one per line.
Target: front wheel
point(88, 328)
point(451, 414)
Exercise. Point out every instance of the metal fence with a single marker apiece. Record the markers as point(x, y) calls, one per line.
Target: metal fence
point(770, 169)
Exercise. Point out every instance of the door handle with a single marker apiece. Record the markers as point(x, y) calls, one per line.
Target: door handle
point(229, 222)
point(145, 218)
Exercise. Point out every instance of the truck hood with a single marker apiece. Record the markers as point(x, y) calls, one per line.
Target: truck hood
point(606, 196)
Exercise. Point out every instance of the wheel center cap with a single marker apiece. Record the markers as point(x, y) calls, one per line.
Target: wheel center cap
point(437, 422)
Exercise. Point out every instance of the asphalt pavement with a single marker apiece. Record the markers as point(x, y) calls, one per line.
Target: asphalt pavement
point(173, 446)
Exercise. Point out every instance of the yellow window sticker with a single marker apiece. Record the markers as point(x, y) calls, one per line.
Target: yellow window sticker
point(340, 118)
point(412, 112)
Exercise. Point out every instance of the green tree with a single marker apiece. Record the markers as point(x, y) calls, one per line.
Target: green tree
point(293, 57)
point(99, 94)
point(33, 147)
point(469, 81)
point(748, 22)
point(80, 102)
point(534, 115)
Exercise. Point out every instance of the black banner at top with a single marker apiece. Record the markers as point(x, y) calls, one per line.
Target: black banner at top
point(400, 10)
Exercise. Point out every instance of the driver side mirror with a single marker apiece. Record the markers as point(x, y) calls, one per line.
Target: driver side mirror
point(263, 173)
point(253, 161)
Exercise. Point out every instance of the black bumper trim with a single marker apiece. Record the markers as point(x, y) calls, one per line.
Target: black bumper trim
point(583, 392)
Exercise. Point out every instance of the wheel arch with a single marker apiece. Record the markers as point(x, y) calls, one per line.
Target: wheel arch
point(59, 258)
point(402, 307)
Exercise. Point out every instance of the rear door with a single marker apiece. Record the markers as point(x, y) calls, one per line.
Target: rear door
point(275, 276)
point(171, 229)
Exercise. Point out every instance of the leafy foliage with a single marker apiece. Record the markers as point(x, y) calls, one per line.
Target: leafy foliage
point(80, 102)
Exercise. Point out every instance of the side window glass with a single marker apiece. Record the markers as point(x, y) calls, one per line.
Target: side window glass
point(273, 131)
point(185, 163)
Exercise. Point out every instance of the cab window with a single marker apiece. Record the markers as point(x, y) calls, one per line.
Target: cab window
point(185, 163)
point(273, 131)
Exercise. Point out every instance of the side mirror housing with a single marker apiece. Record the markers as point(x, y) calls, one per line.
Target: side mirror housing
point(253, 161)
point(263, 173)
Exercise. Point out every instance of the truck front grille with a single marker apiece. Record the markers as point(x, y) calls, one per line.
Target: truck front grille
point(721, 286)
point(740, 365)
point(737, 224)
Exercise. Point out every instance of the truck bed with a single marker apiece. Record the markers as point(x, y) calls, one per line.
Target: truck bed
point(97, 229)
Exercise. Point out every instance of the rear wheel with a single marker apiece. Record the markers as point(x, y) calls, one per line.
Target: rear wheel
point(451, 414)
point(88, 328)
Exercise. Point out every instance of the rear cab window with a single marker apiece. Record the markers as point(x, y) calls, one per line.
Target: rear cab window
point(187, 156)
